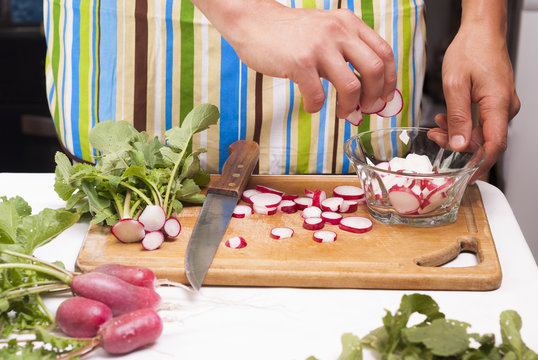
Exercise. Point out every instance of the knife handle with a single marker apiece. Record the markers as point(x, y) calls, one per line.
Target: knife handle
point(243, 156)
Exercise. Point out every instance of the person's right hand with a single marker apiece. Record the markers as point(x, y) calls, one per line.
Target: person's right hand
point(305, 45)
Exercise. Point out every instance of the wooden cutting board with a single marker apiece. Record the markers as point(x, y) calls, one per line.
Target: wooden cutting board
point(387, 257)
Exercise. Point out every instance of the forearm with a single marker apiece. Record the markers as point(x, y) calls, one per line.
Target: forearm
point(489, 15)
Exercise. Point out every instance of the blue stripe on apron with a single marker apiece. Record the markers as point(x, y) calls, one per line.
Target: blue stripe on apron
point(414, 65)
point(75, 59)
point(169, 63)
point(107, 62)
point(321, 129)
point(290, 112)
point(229, 95)
point(62, 101)
point(395, 51)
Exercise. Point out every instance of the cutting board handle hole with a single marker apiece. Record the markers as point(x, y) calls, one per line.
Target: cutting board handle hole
point(463, 253)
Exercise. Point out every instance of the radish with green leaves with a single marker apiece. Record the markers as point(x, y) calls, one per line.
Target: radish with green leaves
point(136, 275)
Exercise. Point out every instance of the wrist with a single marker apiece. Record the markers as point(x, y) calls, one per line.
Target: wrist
point(485, 15)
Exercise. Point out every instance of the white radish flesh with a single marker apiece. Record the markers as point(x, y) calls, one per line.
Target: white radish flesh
point(348, 192)
point(303, 202)
point(263, 210)
point(153, 240)
point(268, 200)
point(153, 217)
point(393, 107)
point(287, 207)
point(265, 189)
point(331, 217)
point(172, 227)
point(404, 200)
point(236, 242)
point(128, 230)
point(349, 206)
point(313, 223)
point(281, 233)
point(242, 211)
point(332, 204)
point(375, 108)
point(311, 212)
point(324, 236)
point(308, 193)
point(355, 118)
point(318, 197)
point(247, 194)
point(356, 224)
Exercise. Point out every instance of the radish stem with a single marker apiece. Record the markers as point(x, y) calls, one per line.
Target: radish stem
point(34, 290)
point(171, 181)
point(62, 276)
point(33, 258)
point(49, 315)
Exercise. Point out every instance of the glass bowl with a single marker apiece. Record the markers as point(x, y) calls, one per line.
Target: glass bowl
point(410, 179)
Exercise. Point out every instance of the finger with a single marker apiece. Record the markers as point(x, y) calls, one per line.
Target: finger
point(311, 89)
point(440, 136)
point(441, 121)
point(457, 92)
point(347, 84)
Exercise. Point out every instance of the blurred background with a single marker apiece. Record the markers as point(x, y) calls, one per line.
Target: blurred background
point(28, 139)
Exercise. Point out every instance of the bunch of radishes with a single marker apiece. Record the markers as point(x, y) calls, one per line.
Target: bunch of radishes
point(150, 228)
point(317, 209)
point(115, 306)
point(410, 195)
point(380, 107)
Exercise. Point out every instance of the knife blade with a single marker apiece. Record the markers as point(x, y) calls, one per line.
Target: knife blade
point(221, 199)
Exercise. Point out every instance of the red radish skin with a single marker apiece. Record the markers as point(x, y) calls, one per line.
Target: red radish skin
point(331, 217)
point(242, 211)
point(308, 193)
point(120, 296)
point(323, 236)
point(311, 212)
point(247, 194)
point(281, 233)
point(265, 189)
point(313, 223)
point(303, 202)
point(318, 197)
point(128, 230)
point(81, 317)
point(349, 206)
point(264, 210)
point(348, 192)
point(236, 242)
point(290, 197)
point(153, 240)
point(135, 275)
point(393, 107)
point(153, 217)
point(332, 204)
point(268, 200)
point(172, 228)
point(356, 224)
point(287, 207)
point(130, 331)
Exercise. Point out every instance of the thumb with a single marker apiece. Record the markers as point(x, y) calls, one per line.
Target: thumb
point(459, 120)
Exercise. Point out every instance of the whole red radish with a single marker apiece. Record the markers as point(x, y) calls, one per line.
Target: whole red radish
point(136, 275)
point(118, 294)
point(82, 317)
point(130, 331)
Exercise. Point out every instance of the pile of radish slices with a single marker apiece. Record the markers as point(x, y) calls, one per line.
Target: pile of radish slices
point(151, 228)
point(316, 209)
point(380, 108)
point(410, 195)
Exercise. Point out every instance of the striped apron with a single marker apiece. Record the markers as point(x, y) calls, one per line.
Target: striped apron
point(151, 61)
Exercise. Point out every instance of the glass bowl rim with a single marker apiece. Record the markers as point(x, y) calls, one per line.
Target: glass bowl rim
point(444, 173)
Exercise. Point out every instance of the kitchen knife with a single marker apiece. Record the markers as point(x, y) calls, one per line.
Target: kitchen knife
point(222, 197)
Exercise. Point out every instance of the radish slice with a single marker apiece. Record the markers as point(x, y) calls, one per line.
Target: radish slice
point(242, 211)
point(324, 236)
point(281, 232)
point(332, 204)
point(263, 210)
point(268, 200)
point(349, 206)
point(153, 217)
point(404, 200)
point(303, 202)
point(318, 197)
point(247, 194)
point(313, 223)
point(153, 240)
point(311, 212)
point(355, 118)
point(265, 189)
point(331, 217)
point(289, 197)
point(236, 242)
point(128, 230)
point(287, 207)
point(356, 224)
point(308, 193)
point(348, 192)
point(393, 107)
point(384, 165)
point(172, 227)
point(376, 107)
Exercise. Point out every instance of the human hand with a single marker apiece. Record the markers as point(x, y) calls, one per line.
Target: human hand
point(306, 44)
point(477, 69)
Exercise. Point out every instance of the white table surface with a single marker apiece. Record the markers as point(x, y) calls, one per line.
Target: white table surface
point(285, 323)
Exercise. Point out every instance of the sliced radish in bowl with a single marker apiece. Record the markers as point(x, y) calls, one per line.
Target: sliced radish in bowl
point(322, 236)
point(356, 224)
point(404, 200)
point(281, 232)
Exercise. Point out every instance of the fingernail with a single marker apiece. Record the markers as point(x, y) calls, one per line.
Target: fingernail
point(457, 141)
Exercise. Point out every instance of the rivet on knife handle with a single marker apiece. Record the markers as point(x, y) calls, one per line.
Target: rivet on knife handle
point(243, 156)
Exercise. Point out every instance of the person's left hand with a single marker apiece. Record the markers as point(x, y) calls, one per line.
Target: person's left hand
point(477, 69)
